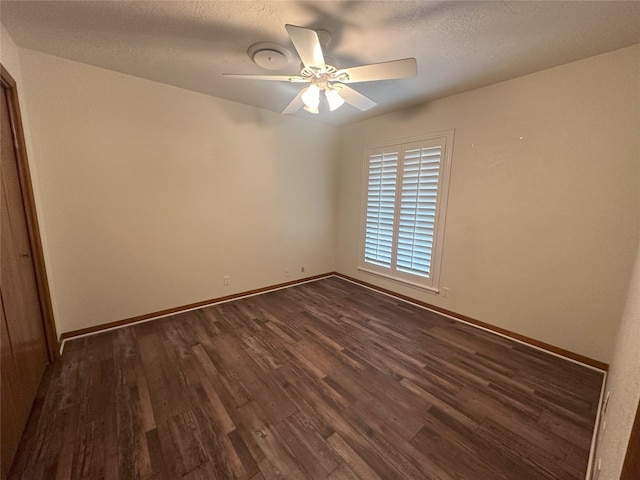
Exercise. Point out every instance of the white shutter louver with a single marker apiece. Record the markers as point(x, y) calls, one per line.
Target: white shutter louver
point(421, 172)
point(383, 170)
point(404, 202)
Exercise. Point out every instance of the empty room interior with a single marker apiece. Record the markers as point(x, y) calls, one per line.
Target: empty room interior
point(320, 240)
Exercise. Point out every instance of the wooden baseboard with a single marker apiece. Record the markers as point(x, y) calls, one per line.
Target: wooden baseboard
point(516, 336)
point(508, 333)
point(183, 308)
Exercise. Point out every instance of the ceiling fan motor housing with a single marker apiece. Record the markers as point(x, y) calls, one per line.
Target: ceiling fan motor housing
point(321, 72)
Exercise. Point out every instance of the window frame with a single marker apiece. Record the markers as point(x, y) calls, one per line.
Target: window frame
point(443, 139)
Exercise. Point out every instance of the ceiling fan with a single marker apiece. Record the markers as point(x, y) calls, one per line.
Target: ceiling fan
point(331, 80)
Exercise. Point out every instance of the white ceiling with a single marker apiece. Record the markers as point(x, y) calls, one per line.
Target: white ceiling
point(458, 45)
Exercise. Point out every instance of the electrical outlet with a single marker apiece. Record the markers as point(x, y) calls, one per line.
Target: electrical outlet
point(286, 272)
point(445, 292)
point(226, 280)
point(302, 269)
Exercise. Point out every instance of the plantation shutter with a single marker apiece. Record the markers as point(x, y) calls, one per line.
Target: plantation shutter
point(418, 201)
point(404, 203)
point(380, 215)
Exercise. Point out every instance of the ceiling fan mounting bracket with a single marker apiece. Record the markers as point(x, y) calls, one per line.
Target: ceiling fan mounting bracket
point(269, 55)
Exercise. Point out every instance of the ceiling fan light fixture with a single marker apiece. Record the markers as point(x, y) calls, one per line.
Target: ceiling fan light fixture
point(311, 98)
point(322, 72)
point(334, 99)
point(311, 109)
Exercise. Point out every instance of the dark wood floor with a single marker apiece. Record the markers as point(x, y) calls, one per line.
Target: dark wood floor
point(322, 380)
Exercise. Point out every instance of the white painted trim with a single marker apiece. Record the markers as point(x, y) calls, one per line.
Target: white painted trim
point(594, 435)
point(411, 139)
point(445, 139)
point(503, 335)
point(350, 281)
point(591, 367)
point(179, 312)
point(431, 290)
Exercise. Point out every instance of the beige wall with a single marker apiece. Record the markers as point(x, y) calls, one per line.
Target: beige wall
point(10, 58)
point(541, 231)
point(151, 194)
point(9, 55)
point(623, 384)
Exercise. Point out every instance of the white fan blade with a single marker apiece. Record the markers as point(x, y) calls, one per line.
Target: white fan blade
point(407, 67)
point(277, 78)
point(307, 45)
point(355, 98)
point(296, 104)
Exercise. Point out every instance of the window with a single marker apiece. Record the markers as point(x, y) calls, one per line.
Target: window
point(404, 208)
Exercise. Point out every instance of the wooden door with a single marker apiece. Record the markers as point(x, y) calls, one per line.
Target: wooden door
point(14, 410)
point(23, 343)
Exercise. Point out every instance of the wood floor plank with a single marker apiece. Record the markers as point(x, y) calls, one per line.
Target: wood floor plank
point(451, 456)
point(308, 446)
point(565, 455)
point(293, 388)
point(578, 435)
point(203, 391)
point(181, 439)
point(154, 449)
point(323, 380)
point(221, 453)
point(351, 458)
point(162, 379)
point(331, 413)
point(252, 421)
point(343, 472)
point(409, 462)
point(64, 465)
point(244, 455)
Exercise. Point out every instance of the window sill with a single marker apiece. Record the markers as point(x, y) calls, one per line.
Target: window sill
point(431, 290)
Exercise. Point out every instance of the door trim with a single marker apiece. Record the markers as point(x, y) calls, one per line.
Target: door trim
point(35, 240)
point(631, 466)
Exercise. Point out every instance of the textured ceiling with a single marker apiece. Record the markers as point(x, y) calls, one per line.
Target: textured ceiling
point(458, 45)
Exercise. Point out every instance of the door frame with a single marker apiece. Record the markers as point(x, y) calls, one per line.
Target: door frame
point(631, 466)
point(33, 230)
